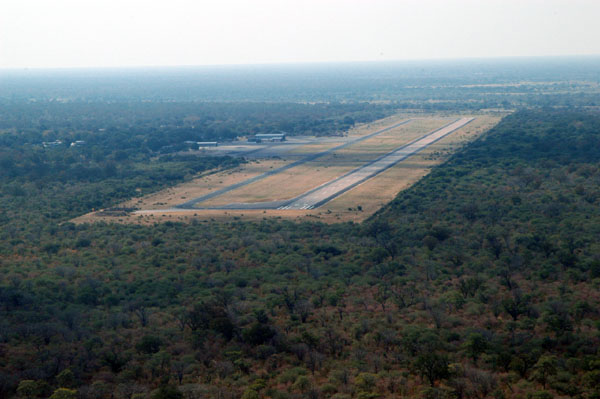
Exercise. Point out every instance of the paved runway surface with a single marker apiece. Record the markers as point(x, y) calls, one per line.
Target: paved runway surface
point(328, 191)
point(334, 188)
point(191, 203)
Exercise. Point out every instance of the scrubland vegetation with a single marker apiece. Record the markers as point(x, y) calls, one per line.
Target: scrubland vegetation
point(479, 281)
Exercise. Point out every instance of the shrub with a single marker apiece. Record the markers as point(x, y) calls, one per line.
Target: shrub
point(64, 393)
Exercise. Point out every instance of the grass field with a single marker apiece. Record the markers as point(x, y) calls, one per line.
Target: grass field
point(300, 179)
point(204, 184)
point(389, 183)
point(355, 205)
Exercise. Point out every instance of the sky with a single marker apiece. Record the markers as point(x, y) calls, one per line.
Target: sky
point(126, 33)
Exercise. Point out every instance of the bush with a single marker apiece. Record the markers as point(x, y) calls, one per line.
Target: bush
point(64, 393)
point(149, 344)
point(328, 390)
point(365, 382)
point(167, 392)
point(302, 384)
point(65, 379)
point(250, 394)
point(540, 395)
point(291, 375)
point(31, 389)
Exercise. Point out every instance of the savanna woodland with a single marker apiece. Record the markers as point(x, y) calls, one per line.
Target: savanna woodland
point(480, 281)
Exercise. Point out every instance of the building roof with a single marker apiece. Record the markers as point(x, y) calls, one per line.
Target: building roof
point(270, 135)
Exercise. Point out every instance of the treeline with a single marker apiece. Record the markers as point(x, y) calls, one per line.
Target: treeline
point(47, 166)
point(156, 126)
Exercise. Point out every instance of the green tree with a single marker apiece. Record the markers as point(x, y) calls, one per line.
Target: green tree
point(302, 384)
point(65, 379)
point(432, 366)
point(27, 389)
point(149, 344)
point(545, 367)
point(365, 382)
point(64, 393)
point(167, 391)
point(250, 394)
point(475, 345)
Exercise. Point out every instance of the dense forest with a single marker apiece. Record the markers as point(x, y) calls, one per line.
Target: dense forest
point(156, 125)
point(481, 281)
point(110, 133)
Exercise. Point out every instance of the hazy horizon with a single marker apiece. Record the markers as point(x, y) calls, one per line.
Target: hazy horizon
point(317, 64)
point(133, 33)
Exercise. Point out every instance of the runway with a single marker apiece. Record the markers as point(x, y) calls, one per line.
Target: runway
point(330, 190)
point(191, 203)
point(326, 192)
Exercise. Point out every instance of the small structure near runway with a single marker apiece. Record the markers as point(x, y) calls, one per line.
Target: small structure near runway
point(271, 137)
point(203, 144)
point(200, 144)
point(52, 144)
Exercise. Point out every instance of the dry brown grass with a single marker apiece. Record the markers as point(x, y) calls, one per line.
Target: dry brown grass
point(370, 195)
point(295, 181)
point(378, 191)
point(204, 184)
